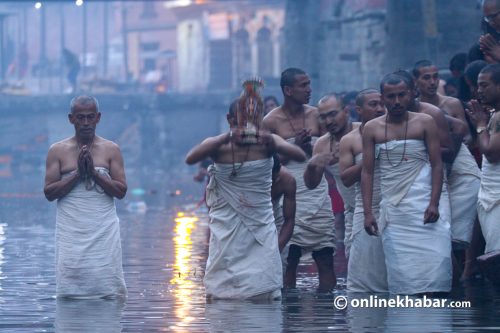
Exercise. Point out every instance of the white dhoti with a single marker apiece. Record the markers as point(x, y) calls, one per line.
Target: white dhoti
point(463, 186)
point(314, 222)
point(348, 196)
point(243, 259)
point(88, 247)
point(488, 206)
point(366, 270)
point(417, 255)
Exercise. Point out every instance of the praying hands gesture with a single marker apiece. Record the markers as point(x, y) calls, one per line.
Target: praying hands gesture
point(490, 47)
point(478, 115)
point(85, 163)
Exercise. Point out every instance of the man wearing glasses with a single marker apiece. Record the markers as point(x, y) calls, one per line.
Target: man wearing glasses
point(487, 43)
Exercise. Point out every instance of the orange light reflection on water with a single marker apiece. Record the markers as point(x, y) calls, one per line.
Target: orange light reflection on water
point(182, 275)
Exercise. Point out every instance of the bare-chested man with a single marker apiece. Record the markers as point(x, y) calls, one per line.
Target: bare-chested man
point(488, 131)
point(335, 117)
point(416, 240)
point(84, 173)
point(366, 267)
point(244, 258)
point(314, 230)
point(464, 176)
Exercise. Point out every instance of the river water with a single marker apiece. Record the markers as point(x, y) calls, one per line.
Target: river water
point(165, 244)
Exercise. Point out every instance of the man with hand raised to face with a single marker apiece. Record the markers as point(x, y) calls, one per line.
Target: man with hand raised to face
point(244, 253)
point(85, 173)
point(416, 241)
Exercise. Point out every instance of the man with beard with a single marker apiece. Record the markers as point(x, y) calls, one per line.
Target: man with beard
point(416, 240)
point(244, 259)
point(488, 130)
point(314, 230)
point(85, 173)
point(464, 176)
point(366, 267)
point(335, 118)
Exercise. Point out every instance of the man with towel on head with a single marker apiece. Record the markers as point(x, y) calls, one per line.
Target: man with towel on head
point(416, 241)
point(314, 230)
point(85, 173)
point(488, 137)
point(366, 267)
point(244, 259)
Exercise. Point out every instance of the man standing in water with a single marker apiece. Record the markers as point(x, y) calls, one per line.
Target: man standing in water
point(244, 259)
point(314, 230)
point(366, 267)
point(416, 241)
point(84, 173)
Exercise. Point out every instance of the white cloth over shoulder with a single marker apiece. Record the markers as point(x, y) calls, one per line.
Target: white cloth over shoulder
point(463, 186)
point(489, 204)
point(88, 246)
point(243, 258)
point(348, 196)
point(417, 255)
point(314, 222)
point(366, 270)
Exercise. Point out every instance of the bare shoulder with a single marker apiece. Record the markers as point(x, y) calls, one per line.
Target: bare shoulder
point(349, 137)
point(62, 146)
point(450, 101)
point(108, 144)
point(421, 117)
point(311, 111)
point(323, 139)
point(430, 109)
point(373, 124)
point(269, 120)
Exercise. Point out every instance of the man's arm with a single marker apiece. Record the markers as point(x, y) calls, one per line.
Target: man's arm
point(288, 210)
point(367, 179)
point(350, 172)
point(287, 150)
point(55, 187)
point(207, 148)
point(116, 185)
point(316, 166)
point(432, 143)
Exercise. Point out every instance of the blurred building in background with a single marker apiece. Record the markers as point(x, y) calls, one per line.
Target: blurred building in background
point(197, 46)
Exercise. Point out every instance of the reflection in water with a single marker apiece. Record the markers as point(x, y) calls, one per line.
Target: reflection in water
point(183, 285)
point(89, 315)
point(3, 226)
point(244, 316)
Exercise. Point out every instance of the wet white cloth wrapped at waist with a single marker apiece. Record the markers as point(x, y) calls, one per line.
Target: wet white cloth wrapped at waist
point(88, 246)
point(244, 260)
point(314, 222)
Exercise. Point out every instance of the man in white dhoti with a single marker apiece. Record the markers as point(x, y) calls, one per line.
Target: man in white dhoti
point(416, 241)
point(335, 118)
point(85, 173)
point(464, 176)
point(366, 266)
point(314, 230)
point(488, 130)
point(244, 259)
